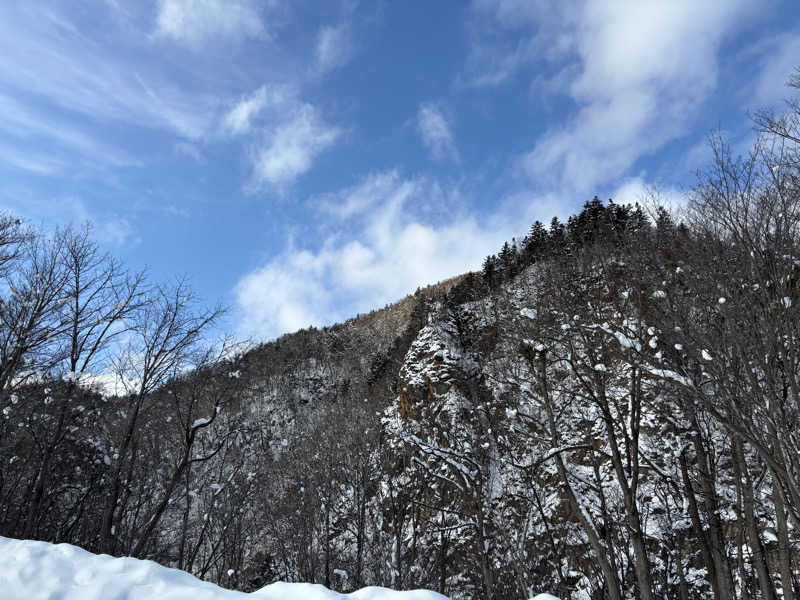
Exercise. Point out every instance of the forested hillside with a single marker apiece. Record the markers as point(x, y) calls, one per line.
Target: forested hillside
point(610, 409)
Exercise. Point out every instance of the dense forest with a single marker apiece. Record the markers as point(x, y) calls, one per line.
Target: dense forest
point(609, 409)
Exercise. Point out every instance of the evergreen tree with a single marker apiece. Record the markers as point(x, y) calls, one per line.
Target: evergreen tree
point(536, 242)
point(638, 220)
point(489, 270)
point(557, 235)
point(507, 261)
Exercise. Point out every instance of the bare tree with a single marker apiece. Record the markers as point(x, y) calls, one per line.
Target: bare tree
point(207, 390)
point(29, 324)
point(163, 338)
point(97, 295)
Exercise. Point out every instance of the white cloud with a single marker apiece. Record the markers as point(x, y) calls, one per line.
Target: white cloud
point(116, 231)
point(194, 21)
point(645, 70)
point(285, 295)
point(636, 190)
point(239, 119)
point(31, 161)
point(108, 229)
point(637, 71)
point(290, 149)
point(435, 132)
point(334, 47)
point(390, 253)
point(362, 197)
point(491, 65)
point(190, 150)
point(285, 134)
point(780, 56)
point(507, 35)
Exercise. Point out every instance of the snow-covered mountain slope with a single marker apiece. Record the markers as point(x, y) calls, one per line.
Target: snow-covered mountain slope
point(37, 570)
point(597, 415)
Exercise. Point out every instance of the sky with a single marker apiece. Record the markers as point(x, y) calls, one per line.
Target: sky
point(303, 162)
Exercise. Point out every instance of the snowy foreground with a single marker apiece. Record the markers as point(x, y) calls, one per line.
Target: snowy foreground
point(38, 571)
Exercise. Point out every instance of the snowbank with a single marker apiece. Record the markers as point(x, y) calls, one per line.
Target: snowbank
point(38, 570)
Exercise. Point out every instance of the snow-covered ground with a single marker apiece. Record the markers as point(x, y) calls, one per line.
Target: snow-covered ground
point(38, 570)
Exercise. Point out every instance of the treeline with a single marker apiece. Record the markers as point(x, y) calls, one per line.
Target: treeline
point(596, 221)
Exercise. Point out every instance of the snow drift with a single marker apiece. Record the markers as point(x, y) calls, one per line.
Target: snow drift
point(38, 570)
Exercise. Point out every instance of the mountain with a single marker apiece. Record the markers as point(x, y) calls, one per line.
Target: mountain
point(609, 409)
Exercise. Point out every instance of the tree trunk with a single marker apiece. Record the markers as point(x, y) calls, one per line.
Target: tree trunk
point(486, 567)
point(108, 542)
point(628, 486)
point(716, 537)
point(683, 588)
point(784, 547)
point(756, 547)
point(43, 474)
point(609, 574)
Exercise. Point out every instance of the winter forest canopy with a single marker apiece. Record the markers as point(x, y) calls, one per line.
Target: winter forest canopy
point(609, 409)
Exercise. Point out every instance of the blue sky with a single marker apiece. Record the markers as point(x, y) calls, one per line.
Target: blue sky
point(306, 161)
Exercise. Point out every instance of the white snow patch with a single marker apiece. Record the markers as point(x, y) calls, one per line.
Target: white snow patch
point(31, 569)
point(667, 374)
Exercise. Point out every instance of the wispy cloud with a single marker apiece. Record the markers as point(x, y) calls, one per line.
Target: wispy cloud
point(508, 35)
point(30, 160)
point(66, 144)
point(335, 47)
point(778, 58)
point(240, 119)
point(45, 57)
point(284, 134)
point(289, 149)
point(194, 21)
point(384, 186)
point(190, 150)
point(436, 133)
point(109, 227)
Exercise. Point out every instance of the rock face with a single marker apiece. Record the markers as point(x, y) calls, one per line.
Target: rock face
point(434, 363)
